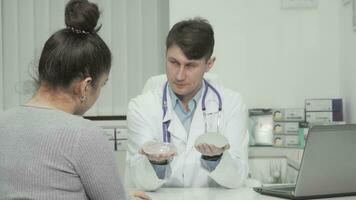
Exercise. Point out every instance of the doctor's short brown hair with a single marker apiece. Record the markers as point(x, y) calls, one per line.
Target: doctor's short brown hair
point(195, 37)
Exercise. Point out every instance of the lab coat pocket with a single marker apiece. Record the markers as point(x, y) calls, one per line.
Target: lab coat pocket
point(212, 122)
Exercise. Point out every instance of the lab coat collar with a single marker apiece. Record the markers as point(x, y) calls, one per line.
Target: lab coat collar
point(192, 103)
point(170, 110)
point(177, 129)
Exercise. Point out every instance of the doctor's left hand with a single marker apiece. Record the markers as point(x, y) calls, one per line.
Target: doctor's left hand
point(211, 150)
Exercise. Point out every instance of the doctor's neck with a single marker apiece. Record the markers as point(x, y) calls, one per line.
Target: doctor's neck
point(189, 96)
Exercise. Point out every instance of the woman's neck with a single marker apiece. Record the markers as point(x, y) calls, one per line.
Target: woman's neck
point(52, 98)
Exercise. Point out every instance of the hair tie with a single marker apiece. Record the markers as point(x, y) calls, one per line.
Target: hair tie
point(77, 31)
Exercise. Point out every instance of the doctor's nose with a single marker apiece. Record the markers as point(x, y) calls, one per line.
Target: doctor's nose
point(180, 75)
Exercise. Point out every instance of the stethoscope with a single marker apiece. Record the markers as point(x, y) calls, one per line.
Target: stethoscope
point(165, 124)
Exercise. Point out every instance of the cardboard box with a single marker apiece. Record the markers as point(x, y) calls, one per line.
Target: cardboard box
point(323, 105)
point(289, 114)
point(285, 140)
point(285, 127)
point(323, 117)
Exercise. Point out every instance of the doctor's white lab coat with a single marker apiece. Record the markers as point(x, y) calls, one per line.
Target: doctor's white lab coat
point(145, 117)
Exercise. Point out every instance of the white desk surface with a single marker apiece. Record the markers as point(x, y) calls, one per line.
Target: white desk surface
point(244, 193)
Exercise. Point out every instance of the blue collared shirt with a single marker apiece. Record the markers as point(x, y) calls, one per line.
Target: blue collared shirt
point(185, 116)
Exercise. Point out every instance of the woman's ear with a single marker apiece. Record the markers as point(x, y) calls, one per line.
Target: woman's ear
point(86, 86)
point(82, 88)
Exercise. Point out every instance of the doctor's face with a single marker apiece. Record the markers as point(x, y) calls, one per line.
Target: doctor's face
point(185, 76)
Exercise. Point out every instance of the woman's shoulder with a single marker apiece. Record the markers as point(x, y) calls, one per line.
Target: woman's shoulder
point(79, 127)
point(78, 122)
point(51, 118)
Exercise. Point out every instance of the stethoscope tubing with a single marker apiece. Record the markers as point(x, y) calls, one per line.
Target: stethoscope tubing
point(165, 124)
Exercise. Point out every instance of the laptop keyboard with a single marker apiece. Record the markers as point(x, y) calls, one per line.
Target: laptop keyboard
point(291, 188)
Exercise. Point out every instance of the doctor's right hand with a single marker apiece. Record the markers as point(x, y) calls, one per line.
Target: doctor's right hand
point(159, 159)
point(158, 153)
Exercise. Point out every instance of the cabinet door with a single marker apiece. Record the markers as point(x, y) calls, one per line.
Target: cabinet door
point(268, 169)
point(121, 162)
point(121, 149)
point(292, 171)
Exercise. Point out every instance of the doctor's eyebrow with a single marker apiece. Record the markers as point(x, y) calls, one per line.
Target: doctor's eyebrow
point(172, 60)
point(191, 63)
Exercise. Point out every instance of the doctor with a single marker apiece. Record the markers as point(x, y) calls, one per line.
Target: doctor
point(173, 112)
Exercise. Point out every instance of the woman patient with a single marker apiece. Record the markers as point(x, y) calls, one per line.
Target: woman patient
point(47, 151)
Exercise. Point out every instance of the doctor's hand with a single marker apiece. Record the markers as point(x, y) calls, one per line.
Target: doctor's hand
point(157, 152)
point(159, 159)
point(211, 150)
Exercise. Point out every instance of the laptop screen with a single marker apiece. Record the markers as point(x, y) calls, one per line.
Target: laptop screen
point(329, 162)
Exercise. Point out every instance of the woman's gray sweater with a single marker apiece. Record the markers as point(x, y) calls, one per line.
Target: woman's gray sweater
point(50, 154)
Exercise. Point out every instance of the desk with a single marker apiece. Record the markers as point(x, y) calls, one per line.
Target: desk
point(244, 193)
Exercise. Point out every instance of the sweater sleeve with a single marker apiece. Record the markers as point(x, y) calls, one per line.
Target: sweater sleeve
point(96, 166)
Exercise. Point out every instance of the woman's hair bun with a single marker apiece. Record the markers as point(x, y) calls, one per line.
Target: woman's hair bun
point(82, 15)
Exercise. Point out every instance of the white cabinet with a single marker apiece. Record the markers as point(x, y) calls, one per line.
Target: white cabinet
point(268, 170)
point(121, 160)
point(120, 150)
point(116, 133)
point(274, 165)
point(292, 171)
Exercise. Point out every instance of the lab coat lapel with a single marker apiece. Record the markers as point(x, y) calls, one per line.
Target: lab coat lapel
point(178, 129)
point(175, 127)
point(197, 126)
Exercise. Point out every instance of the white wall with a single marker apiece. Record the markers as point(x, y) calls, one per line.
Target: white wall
point(1, 69)
point(348, 60)
point(133, 29)
point(272, 56)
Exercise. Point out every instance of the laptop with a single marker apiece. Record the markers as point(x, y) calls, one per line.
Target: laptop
point(328, 166)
